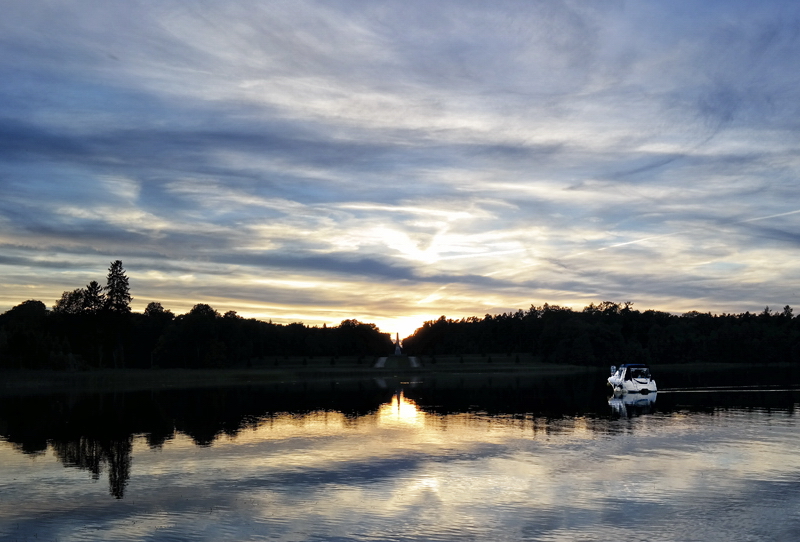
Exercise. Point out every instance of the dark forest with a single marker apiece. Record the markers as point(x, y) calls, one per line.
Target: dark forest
point(94, 327)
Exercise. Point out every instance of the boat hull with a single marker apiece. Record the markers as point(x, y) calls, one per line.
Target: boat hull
point(633, 386)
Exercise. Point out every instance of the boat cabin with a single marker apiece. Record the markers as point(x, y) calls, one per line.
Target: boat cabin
point(632, 370)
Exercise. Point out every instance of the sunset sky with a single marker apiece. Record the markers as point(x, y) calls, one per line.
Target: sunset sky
point(398, 161)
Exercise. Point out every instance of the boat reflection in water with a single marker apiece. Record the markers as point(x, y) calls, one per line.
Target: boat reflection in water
point(632, 404)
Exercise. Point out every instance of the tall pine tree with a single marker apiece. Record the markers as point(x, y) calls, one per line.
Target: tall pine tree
point(118, 296)
point(93, 298)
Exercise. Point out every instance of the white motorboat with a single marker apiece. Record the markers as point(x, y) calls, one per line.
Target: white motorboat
point(632, 378)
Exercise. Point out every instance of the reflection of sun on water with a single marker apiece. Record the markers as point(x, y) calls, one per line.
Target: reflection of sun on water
point(400, 411)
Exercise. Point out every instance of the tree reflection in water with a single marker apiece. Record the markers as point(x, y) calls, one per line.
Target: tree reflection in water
point(90, 454)
point(95, 432)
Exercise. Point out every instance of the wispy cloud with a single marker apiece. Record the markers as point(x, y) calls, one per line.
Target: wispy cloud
point(314, 160)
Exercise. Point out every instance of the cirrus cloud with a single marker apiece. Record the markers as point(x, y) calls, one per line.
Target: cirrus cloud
point(324, 160)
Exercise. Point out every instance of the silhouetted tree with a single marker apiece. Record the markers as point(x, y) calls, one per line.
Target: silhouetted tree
point(147, 330)
point(71, 302)
point(24, 341)
point(204, 311)
point(93, 298)
point(31, 312)
point(154, 309)
point(118, 297)
point(193, 341)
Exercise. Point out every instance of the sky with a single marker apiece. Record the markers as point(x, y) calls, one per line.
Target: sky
point(394, 162)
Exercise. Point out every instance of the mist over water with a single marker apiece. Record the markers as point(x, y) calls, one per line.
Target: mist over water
point(467, 457)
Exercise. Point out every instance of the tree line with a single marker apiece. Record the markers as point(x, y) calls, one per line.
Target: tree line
point(612, 333)
point(94, 327)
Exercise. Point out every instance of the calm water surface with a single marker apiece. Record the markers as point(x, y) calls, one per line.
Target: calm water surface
point(477, 458)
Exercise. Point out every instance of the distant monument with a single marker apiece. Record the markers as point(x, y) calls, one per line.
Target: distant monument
point(398, 361)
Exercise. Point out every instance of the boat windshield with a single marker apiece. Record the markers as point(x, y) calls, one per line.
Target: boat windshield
point(640, 372)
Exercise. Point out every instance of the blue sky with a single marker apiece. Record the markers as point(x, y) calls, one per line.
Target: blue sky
point(398, 161)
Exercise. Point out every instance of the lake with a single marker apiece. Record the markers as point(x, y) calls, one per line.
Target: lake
point(460, 457)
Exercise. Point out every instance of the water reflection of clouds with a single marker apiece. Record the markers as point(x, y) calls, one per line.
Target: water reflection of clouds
point(402, 473)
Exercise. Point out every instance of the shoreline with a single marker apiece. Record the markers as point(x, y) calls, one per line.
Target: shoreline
point(24, 382)
point(16, 382)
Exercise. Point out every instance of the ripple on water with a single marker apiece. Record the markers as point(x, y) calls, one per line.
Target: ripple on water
point(402, 473)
